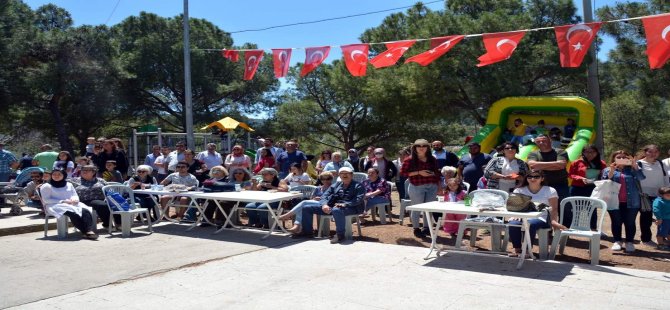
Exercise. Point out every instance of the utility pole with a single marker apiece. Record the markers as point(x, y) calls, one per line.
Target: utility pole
point(592, 84)
point(188, 110)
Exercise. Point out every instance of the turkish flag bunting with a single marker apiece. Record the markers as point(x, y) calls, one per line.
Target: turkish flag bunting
point(231, 55)
point(314, 56)
point(499, 46)
point(251, 60)
point(394, 51)
point(438, 47)
point(281, 59)
point(574, 41)
point(356, 58)
point(656, 28)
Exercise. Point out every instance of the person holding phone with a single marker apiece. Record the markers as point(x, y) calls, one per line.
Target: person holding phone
point(624, 170)
point(424, 180)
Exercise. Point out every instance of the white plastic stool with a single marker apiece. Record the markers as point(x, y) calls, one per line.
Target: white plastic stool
point(382, 212)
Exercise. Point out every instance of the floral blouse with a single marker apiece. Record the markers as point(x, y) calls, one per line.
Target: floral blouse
point(380, 184)
point(89, 190)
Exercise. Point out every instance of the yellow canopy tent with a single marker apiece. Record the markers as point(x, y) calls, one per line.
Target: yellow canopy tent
point(229, 124)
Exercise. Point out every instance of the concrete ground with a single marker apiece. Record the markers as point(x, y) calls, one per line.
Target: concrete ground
point(175, 269)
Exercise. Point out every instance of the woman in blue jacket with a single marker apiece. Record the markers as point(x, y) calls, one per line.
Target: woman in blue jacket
point(624, 170)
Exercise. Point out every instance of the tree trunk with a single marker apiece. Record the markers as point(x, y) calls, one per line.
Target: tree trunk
point(60, 127)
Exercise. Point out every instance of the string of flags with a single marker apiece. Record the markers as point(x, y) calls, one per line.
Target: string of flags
point(573, 43)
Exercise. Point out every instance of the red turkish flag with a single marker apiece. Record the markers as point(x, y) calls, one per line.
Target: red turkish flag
point(656, 29)
point(356, 58)
point(438, 47)
point(394, 51)
point(499, 46)
point(314, 56)
point(251, 60)
point(281, 57)
point(574, 41)
point(231, 55)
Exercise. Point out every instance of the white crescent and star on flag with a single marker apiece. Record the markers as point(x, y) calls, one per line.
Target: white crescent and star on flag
point(353, 54)
point(506, 41)
point(315, 54)
point(580, 27)
point(250, 62)
point(664, 33)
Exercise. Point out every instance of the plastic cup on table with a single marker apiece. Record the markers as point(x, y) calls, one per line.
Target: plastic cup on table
point(440, 198)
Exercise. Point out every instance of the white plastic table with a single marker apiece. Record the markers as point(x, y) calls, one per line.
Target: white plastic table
point(153, 193)
point(245, 196)
point(460, 208)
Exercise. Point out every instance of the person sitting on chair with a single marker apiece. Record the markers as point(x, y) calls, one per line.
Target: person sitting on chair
point(342, 199)
point(60, 199)
point(326, 179)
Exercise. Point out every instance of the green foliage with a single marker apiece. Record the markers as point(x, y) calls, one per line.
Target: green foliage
point(151, 51)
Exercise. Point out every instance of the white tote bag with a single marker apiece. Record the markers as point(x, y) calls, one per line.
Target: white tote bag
point(608, 191)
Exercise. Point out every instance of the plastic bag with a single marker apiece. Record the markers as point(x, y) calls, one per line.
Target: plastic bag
point(487, 199)
point(608, 191)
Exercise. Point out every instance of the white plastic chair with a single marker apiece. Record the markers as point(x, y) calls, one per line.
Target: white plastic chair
point(324, 225)
point(497, 245)
point(306, 190)
point(61, 223)
point(582, 210)
point(126, 216)
point(360, 176)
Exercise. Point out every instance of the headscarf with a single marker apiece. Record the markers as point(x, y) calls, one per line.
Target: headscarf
point(61, 183)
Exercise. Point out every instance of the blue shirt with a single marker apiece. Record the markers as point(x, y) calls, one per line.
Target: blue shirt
point(6, 160)
point(473, 167)
point(286, 159)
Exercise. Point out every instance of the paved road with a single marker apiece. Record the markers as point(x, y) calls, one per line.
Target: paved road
point(173, 269)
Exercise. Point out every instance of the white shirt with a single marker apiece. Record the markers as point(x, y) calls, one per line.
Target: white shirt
point(210, 159)
point(160, 169)
point(294, 180)
point(508, 168)
point(174, 159)
point(654, 178)
point(542, 196)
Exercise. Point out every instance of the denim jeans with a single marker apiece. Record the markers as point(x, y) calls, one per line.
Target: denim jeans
point(646, 219)
point(515, 231)
point(420, 194)
point(626, 217)
point(254, 213)
point(338, 214)
point(297, 210)
point(375, 200)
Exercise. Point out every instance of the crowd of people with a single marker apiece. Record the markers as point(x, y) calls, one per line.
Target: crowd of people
point(421, 172)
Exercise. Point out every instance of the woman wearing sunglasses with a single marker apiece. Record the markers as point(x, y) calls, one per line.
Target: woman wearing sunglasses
point(533, 187)
point(505, 172)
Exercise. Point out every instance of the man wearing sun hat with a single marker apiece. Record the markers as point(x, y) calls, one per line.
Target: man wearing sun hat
point(343, 198)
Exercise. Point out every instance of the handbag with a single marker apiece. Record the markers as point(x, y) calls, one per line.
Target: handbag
point(520, 203)
point(645, 205)
point(607, 191)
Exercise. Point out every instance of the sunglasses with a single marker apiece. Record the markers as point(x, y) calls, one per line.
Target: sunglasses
point(142, 171)
point(421, 146)
point(379, 153)
point(508, 148)
point(182, 167)
point(238, 173)
point(533, 177)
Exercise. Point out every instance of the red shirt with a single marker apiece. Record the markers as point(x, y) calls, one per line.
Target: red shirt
point(418, 179)
point(578, 171)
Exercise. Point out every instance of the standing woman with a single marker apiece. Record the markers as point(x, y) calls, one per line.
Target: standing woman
point(65, 162)
point(506, 172)
point(583, 173)
point(424, 177)
point(627, 173)
point(109, 152)
point(237, 159)
point(267, 160)
point(656, 177)
point(60, 199)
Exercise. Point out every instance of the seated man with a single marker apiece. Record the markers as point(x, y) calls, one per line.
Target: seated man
point(31, 189)
point(180, 177)
point(343, 198)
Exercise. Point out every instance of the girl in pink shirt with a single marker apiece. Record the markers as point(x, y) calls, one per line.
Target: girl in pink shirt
point(453, 193)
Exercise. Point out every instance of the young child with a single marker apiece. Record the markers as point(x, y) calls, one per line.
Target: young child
point(455, 192)
point(541, 130)
point(518, 131)
point(111, 174)
point(90, 144)
point(81, 161)
point(661, 208)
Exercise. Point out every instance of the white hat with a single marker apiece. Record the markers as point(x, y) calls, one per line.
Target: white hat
point(345, 169)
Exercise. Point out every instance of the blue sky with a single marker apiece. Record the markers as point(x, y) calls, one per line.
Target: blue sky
point(239, 15)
